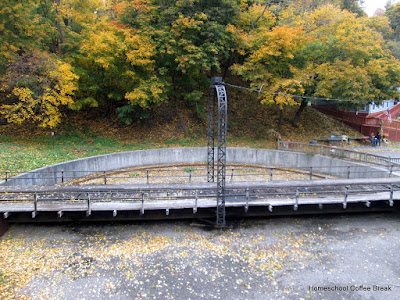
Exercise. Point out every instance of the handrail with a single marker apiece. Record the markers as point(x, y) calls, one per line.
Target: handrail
point(338, 152)
point(234, 173)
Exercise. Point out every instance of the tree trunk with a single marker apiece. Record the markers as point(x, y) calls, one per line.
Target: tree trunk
point(280, 122)
point(296, 119)
point(58, 23)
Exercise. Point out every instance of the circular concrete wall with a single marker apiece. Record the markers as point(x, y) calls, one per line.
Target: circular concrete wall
point(82, 167)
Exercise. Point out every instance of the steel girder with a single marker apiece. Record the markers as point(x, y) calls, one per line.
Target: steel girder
point(219, 92)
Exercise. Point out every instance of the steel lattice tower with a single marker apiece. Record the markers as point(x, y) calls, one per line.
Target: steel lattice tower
point(217, 92)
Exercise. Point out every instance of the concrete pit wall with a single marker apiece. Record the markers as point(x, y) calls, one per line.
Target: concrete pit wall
point(3, 225)
point(82, 167)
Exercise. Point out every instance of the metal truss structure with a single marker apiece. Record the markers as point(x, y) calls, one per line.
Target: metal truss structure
point(217, 93)
point(211, 133)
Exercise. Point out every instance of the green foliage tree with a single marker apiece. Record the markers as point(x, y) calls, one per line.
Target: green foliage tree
point(195, 40)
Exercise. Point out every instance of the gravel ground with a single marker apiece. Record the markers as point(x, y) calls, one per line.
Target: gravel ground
point(350, 256)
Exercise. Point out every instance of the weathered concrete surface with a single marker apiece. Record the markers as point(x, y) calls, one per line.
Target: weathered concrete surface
point(349, 256)
point(82, 167)
point(3, 225)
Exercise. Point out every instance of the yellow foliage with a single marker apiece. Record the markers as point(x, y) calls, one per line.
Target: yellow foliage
point(256, 12)
point(39, 98)
point(324, 52)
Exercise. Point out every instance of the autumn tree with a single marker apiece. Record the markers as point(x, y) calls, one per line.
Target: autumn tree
point(20, 28)
point(37, 88)
point(393, 13)
point(117, 71)
point(346, 58)
point(194, 40)
point(327, 52)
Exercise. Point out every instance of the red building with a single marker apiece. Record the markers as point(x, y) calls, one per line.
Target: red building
point(368, 123)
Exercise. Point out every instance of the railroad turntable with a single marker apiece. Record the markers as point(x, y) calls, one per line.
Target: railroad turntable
point(351, 181)
point(296, 183)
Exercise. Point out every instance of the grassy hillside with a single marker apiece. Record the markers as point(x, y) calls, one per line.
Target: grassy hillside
point(250, 125)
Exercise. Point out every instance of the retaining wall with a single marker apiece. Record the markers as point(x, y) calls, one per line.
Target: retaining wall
point(3, 225)
point(73, 169)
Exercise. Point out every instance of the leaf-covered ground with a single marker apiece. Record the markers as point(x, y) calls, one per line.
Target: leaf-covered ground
point(277, 258)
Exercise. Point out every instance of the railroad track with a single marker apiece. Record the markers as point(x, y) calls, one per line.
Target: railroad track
point(181, 173)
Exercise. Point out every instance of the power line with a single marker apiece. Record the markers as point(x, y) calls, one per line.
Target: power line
point(296, 96)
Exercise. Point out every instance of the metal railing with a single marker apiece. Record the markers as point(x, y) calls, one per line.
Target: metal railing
point(195, 175)
point(338, 153)
point(395, 160)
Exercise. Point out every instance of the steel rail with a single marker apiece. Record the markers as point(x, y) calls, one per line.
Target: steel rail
point(199, 186)
point(148, 174)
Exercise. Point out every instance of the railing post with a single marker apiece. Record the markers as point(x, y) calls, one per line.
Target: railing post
point(296, 206)
point(142, 209)
point(62, 176)
point(6, 176)
point(279, 144)
point(348, 172)
point(311, 173)
point(346, 193)
point(190, 175)
point(391, 171)
point(147, 176)
point(247, 200)
point(270, 176)
point(105, 177)
point(89, 211)
point(35, 204)
point(195, 202)
point(232, 174)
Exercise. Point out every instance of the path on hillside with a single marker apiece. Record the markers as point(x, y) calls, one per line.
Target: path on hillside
point(382, 150)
